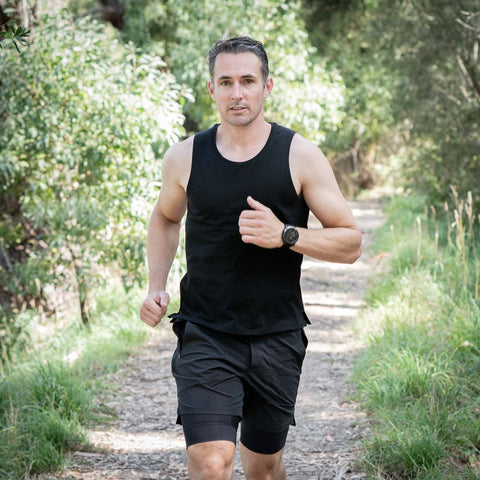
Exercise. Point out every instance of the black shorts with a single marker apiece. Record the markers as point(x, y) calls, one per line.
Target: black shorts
point(223, 378)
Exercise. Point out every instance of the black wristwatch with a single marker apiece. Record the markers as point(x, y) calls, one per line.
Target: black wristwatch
point(289, 236)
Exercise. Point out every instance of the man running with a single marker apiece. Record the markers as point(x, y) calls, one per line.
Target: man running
point(248, 187)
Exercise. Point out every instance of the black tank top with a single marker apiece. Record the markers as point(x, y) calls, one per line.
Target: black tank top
point(231, 286)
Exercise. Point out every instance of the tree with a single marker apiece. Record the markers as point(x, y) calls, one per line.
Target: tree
point(338, 29)
point(306, 96)
point(83, 127)
point(432, 49)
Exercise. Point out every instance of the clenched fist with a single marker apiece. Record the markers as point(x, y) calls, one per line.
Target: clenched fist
point(154, 307)
point(260, 226)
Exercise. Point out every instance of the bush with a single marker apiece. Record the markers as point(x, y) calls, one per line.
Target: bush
point(83, 126)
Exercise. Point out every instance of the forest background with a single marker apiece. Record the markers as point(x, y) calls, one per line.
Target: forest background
point(94, 92)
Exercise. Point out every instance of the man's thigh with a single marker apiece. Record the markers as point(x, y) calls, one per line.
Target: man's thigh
point(273, 381)
point(207, 366)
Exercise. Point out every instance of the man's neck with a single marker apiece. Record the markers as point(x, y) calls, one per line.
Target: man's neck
point(240, 143)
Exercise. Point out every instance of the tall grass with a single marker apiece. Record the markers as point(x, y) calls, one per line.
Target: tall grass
point(48, 392)
point(419, 376)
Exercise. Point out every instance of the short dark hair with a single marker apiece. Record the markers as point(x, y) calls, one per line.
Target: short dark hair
point(239, 45)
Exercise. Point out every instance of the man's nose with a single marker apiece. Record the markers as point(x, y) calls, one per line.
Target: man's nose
point(237, 91)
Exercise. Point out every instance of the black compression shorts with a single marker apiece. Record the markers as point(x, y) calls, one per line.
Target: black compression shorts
point(222, 379)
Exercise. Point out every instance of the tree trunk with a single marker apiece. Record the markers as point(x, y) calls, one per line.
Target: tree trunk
point(84, 310)
point(25, 13)
point(113, 12)
point(82, 288)
point(3, 17)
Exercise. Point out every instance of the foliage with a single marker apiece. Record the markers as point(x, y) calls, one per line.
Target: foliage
point(338, 30)
point(419, 375)
point(17, 35)
point(412, 75)
point(83, 127)
point(300, 77)
point(15, 16)
point(147, 24)
point(431, 48)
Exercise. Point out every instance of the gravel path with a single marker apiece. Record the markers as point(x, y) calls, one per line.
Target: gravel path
point(145, 443)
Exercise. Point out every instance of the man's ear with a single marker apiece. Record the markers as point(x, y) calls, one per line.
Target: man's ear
point(211, 89)
point(268, 87)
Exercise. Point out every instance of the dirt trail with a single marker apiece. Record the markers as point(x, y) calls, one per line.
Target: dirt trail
point(145, 443)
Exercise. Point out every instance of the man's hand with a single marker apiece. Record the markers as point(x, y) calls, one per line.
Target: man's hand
point(260, 226)
point(154, 307)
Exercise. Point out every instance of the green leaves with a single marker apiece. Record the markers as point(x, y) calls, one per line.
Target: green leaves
point(306, 96)
point(17, 35)
point(83, 131)
point(430, 48)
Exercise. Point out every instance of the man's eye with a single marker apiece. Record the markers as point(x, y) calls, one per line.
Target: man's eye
point(224, 83)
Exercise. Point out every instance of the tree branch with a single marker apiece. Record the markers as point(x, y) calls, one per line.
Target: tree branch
point(470, 77)
point(109, 10)
point(466, 25)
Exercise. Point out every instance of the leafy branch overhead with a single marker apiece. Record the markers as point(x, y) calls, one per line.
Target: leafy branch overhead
point(17, 35)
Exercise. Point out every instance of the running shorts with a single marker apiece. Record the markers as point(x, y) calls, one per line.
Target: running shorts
point(223, 379)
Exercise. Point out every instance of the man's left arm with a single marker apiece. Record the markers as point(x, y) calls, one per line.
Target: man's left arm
point(340, 238)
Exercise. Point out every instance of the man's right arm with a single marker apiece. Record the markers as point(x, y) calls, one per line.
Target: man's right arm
point(164, 229)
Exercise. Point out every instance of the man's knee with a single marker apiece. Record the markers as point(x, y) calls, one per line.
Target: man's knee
point(276, 472)
point(211, 460)
point(262, 467)
point(212, 467)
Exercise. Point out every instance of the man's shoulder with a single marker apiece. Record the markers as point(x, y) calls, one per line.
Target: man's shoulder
point(307, 161)
point(185, 147)
point(178, 160)
point(299, 142)
point(181, 148)
point(303, 148)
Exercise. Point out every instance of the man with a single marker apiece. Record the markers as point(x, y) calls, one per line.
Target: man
point(248, 186)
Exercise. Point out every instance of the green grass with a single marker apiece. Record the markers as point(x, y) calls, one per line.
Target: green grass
point(43, 410)
point(48, 392)
point(419, 375)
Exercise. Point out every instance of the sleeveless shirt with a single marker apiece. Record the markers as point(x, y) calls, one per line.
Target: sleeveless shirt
point(231, 286)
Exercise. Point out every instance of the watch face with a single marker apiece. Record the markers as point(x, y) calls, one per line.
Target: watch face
point(290, 235)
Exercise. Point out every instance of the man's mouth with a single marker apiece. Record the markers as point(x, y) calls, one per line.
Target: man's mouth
point(237, 108)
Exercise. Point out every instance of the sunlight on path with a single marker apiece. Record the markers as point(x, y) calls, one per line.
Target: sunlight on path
point(136, 442)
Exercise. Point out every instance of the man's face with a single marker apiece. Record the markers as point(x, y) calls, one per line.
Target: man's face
point(238, 88)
